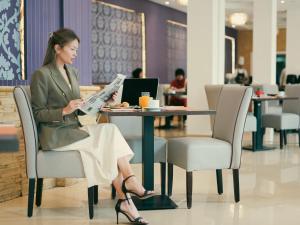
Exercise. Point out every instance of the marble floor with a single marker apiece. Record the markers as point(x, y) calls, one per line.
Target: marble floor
point(270, 194)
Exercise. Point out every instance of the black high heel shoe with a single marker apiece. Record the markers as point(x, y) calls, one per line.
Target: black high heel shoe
point(146, 194)
point(137, 220)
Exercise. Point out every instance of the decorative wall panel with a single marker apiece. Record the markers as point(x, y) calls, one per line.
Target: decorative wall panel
point(177, 47)
point(116, 42)
point(10, 57)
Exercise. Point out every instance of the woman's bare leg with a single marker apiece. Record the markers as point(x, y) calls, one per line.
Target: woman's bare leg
point(126, 171)
point(129, 208)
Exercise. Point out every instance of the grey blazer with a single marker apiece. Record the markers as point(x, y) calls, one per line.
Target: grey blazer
point(50, 93)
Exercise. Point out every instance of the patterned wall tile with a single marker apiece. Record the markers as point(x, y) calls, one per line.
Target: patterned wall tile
point(116, 42)
point(10, 61)
point(177, 48)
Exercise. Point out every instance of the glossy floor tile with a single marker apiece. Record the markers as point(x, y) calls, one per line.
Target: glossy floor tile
point(270, 194)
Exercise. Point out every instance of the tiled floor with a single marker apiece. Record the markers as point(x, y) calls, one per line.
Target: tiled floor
point(270, 194)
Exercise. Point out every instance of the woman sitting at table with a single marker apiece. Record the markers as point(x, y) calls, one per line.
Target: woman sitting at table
point(55, 102)
point(178, 85)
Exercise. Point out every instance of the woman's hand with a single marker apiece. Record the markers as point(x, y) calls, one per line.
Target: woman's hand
point(112, 97)
point(72, 106)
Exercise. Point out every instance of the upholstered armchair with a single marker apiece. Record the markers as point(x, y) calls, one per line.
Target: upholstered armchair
point(212, 94)
point(46, 164)
point(221, 151)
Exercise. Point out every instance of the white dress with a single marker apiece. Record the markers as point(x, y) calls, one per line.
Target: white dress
point(100, 152)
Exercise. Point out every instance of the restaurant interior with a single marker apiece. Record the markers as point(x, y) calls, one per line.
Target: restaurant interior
point(205, 93)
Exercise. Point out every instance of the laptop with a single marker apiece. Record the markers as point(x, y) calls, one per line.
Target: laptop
point(132, 89)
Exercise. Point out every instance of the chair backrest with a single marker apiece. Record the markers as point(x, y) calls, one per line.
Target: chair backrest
point(162, 88)
point(230, 119)
point(22, 98)
point(212, 95)
point(292, 106)
point(128, 125)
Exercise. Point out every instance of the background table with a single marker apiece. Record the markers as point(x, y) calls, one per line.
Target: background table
point(8, 138)
point(257, 101)
point(169, 94)
point(157, 201)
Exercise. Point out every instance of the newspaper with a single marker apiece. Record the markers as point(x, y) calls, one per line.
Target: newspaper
point(92, 104)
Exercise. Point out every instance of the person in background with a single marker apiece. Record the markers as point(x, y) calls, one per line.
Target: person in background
point(137, 73)
point(241, 74)
point(179, 84)
point(56, 102)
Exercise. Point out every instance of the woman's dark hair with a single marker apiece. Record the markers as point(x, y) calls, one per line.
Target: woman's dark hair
point(60, 37)
point(136, 73)
point(179, 72)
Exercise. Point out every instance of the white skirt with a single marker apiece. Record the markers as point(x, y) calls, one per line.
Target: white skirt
point(100, 152)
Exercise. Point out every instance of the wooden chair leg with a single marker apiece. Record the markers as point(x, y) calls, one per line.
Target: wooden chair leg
point(113, 192)
point(31, 184)
point(219, 181)
point(163, 178)
point(189, 189)
point(236, 185)
point(281, 138)
point(91, 201)
point(39, 191)
point(96, 194)
point(170, 179)
point(284, 137)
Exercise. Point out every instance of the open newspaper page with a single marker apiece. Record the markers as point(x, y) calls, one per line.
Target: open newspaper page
point(92, 104)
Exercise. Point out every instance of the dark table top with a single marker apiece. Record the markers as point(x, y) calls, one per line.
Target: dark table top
point(176, 93)
point(8, 139)
point(272, 98)
point(164, 112)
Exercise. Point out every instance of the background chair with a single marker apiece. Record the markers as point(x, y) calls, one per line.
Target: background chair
point(46, 164)
point(289, 118)
point(131, 129)
point(222, 151)
point(162, 88)
point(291, 79)
point(213, 92)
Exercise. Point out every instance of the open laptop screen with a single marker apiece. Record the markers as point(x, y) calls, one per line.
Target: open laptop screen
point(132, 89)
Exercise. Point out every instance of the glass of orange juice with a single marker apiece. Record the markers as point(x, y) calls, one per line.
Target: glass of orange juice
point(144, 99)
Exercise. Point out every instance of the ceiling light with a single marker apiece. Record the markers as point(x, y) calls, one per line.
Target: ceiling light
point(282, 1)
point(167, 3)
point(182, 2)
point(238, 19)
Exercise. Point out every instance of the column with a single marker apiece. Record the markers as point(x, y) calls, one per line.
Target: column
point(205, 56)
point(292, 38)
point(264, 41)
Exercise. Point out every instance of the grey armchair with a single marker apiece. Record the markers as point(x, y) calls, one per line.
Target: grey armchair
point(131, 128)
point(46, 164)
point(222, 151)
point(289, 118)
point(213, 92)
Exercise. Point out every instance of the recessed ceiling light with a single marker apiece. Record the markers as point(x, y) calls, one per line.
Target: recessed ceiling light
point(282, 1)
point(167, 3)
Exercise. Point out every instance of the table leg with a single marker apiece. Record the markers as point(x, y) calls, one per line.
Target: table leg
point(148, 152)
point(259, 130)
point(157, 201)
